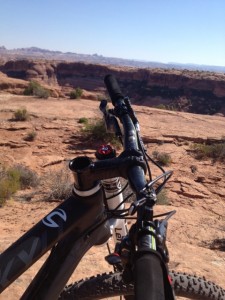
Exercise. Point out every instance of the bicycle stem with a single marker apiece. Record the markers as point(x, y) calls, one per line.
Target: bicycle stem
point(87, 172)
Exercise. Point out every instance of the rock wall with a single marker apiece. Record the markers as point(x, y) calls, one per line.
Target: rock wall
point(192, 91)
point(41, 71)
point(12, 85)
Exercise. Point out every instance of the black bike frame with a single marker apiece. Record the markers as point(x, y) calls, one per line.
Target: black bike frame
point(74, 219)
point(75, 226)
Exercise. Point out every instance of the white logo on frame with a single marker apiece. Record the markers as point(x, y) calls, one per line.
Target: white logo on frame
point(48, 221)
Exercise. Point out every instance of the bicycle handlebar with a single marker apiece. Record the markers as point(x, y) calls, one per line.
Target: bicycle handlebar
point(130, 164)
point(135, 174)
point(113, 88)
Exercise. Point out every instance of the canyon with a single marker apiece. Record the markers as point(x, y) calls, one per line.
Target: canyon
point(198, 92)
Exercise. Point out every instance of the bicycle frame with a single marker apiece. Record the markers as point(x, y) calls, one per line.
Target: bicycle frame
point(75, 226)
point(73, 220)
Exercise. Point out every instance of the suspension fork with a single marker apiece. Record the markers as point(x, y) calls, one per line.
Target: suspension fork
point(146, 234)
point(151, 258)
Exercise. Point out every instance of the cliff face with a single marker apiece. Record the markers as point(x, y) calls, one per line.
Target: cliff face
point(40, 71)
point(192, 91)
point(12, 85)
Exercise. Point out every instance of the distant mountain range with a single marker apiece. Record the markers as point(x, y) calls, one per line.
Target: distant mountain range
point(38, 53)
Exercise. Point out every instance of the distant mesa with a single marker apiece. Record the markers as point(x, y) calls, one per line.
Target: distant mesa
point(35, 53)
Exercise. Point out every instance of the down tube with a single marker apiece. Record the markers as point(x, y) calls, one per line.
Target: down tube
point(75, 214)
point(61, 263)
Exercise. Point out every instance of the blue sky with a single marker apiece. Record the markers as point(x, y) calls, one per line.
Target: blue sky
point(183, 31)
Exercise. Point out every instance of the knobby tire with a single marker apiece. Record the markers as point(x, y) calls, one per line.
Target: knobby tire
point(104, 286)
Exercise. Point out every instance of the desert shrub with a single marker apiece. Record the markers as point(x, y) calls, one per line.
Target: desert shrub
point(14, 178)
point(9, 183)
point(27, 177)
point(32, 86)
point(162, 198)
point(160, 106)
point(83, 121)
point(35, 89)
point(7, 188)
point(59, 184)
point(42, 93)
point(216, 151)
point(21, 115)
point(76, 94)
point(31, 136)
point(96, 130)
point(166, 107)
point(163, 158)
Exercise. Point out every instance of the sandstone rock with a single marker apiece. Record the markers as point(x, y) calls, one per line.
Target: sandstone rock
point(191, 189)
point(192, 91)
point(18, 126)
point(14, 144)
point(12, 84)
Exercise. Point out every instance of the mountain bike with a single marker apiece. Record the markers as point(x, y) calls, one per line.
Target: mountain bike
point(96, 211)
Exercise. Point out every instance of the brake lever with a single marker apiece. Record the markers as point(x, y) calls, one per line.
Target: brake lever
point(134, 206)
point(161, 226)
point(111, 122)
point(166, 175)
point(103, 105)
point(150, 196)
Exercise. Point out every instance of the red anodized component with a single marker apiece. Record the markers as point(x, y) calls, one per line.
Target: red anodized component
point(105, 151)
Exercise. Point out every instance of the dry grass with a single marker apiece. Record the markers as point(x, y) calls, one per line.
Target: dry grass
point(58, 184)
point(14, 178)
point(216, 151)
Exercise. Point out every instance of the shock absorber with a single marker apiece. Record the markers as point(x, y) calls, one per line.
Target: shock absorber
point(113, 194)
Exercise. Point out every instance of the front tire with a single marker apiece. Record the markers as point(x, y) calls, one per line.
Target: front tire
point(110, 285)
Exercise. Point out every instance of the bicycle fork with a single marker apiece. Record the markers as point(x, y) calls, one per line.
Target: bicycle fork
point(151, 258)
point(145, 249)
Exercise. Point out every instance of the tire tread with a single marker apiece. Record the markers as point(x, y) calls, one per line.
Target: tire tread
point(111, 284)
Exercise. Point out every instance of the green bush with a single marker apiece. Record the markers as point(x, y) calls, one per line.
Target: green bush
point(21, 115)
point(35, 89)
point(160, 106)
point(83, 121)
point(216, 151)
point(163, 158)
point(95, 130)
point(7, 188)
point(27, 177)
point(170, 107)
point(32, 86)
point(31, 136)
point(9, 184)
point(14, 178)
point(42, 93)
point(76, 94)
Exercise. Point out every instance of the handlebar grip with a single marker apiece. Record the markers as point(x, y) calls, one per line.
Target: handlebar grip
point(113, 88)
